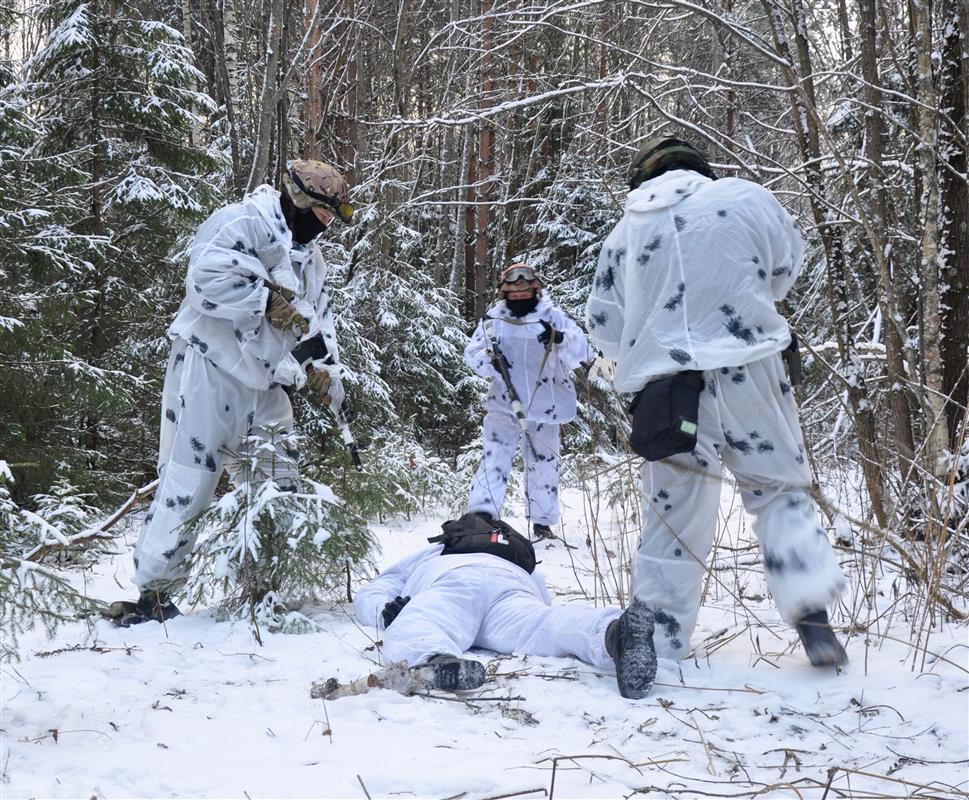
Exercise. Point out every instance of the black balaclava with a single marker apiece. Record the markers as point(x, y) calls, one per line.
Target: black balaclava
point(302, 221)
point(519, 308)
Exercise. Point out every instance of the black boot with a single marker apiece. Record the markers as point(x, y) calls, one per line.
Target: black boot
point(151, 605)
point(453, 674)
point(821, 645)
point(629, 641)
point(541, 532)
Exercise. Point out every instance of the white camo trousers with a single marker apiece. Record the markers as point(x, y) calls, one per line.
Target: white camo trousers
point(206, 414)
point(502, 436)
point(474, 606)
point(748, 420)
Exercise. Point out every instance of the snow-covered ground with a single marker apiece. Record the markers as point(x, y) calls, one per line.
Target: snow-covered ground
point(197, 709)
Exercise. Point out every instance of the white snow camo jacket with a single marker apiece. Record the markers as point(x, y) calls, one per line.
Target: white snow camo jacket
point(223, 315)
point(546, 391)
point(414, 573)
point(688, 278)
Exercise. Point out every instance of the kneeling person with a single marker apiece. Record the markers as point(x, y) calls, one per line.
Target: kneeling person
point(476, 587)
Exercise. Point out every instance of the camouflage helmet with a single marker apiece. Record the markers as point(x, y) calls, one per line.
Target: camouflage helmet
point(315, 183)
point(516, 273)
point(659, 154)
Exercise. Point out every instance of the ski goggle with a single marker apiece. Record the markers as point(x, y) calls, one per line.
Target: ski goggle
point(339, 207)
point(519, 272)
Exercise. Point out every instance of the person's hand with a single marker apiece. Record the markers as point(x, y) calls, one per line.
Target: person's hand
point(282, 313)
point(393, 608)
point(324, 382)
point(550, 333)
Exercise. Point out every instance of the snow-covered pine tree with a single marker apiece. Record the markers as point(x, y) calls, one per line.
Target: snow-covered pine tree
point(116, 179)
point(33, 592)
point(401, 343)
point(266, 547)
point(33, 240)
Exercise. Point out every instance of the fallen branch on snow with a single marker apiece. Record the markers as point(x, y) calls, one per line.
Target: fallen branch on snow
point(99, 530)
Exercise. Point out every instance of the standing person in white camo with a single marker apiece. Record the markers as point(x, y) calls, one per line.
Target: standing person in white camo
point(255, 318)
point(687, 281)
point(542, 347)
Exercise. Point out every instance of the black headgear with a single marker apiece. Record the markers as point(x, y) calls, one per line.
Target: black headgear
point(663, 154)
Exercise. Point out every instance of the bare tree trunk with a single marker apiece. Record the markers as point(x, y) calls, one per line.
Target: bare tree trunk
point(313, 112)
point(268, 96)
point(936, 427)
point(470, 236)
point(955, 217)
point(805, 128)
point(230, 72)
point(193, 138)
point(351, 153)
point(486, 140)
point(874, 150)
point(462, 225)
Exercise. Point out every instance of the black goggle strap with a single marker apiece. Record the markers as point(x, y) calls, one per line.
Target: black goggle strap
point(343, 210)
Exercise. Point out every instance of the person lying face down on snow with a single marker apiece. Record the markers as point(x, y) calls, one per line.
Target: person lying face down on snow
point(477, 586)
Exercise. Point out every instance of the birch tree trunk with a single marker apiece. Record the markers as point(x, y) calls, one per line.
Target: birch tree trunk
point(229, 60)
point(936, 435)
point(268, 96)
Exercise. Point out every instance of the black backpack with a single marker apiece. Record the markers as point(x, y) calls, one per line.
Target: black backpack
point(475, 534)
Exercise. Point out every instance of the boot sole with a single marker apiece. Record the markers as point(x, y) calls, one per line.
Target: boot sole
point(636, 665)
point(821, 646)
point(458, 676)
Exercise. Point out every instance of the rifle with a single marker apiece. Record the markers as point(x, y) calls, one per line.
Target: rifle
point(500, 363)
point(792, 357)
point(315, 349)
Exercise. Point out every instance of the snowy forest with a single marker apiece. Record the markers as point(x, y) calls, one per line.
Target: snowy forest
point(475, 134)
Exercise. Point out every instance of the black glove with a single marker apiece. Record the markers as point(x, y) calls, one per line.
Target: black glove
point(548, 332)
point(393, 608)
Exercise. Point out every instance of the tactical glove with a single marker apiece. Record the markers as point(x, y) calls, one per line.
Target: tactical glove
point(282, 313)
point(325, 383)
point(393, 608)
point(548, 332)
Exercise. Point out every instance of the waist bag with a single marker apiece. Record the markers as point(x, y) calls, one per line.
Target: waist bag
point(665, 415)
point(472, 534)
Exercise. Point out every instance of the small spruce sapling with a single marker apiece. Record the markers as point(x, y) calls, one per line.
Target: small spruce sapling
point(274, 541)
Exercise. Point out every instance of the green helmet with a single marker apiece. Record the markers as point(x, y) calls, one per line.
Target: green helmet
point(660, 154)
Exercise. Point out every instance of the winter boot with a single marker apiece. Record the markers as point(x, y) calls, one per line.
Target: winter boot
point(453, 674)
point(151, 605)
point(629, 641)
point(541, 532)
point(821, 645)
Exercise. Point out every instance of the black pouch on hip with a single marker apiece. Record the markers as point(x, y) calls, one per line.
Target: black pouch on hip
point(665, 416)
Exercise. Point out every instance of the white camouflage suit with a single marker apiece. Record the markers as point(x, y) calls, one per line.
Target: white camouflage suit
point(226, 370)
point(478, 600)
point(544, 385)
point(687, 281)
